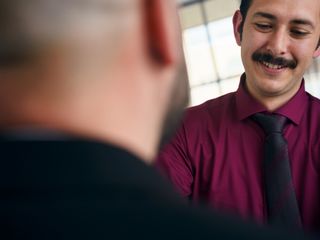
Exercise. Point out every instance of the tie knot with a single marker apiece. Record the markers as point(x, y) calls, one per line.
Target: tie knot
point(270, 123)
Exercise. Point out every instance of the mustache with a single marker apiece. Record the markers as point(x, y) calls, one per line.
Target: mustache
point(269, 58)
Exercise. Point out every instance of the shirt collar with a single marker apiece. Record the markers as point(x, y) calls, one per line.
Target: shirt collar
point(246, 105)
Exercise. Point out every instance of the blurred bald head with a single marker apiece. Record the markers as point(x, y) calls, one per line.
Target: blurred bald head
point(106, 69)
point(28, 27)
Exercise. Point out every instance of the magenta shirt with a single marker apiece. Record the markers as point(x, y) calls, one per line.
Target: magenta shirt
point(216, 155)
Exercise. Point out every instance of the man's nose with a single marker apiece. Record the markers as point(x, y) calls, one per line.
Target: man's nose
point(278, 42)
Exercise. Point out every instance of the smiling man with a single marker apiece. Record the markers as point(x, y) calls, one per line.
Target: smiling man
point(256, 152)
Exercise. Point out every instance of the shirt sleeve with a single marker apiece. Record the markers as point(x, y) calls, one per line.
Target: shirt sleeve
point(174, 162)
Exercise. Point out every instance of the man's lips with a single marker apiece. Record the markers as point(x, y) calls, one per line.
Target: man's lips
point(272, 66)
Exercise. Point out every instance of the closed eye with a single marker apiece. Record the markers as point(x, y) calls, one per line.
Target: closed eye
point(299, 33)
point(263, 27)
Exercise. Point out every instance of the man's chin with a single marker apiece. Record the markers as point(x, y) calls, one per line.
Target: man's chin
point(179, 101)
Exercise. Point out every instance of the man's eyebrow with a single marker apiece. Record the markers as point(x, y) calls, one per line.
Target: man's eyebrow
point(265, 15)
point(297, 21)
point(303, 22)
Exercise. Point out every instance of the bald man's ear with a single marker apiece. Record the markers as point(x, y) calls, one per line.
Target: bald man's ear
point(163, 30)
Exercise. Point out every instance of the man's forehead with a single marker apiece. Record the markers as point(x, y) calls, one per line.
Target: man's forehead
point(291, 10)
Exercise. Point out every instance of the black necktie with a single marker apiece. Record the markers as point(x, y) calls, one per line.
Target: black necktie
point(281, 199)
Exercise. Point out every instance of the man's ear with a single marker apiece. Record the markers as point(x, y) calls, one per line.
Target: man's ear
point(237, 26)
point(163, 30)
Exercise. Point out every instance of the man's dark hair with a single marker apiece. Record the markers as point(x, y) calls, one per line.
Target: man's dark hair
point(244, 7)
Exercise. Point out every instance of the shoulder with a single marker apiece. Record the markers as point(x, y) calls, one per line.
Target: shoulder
point(210, 110)
point(313, 107)
point(313, 101)
point(312, 118)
